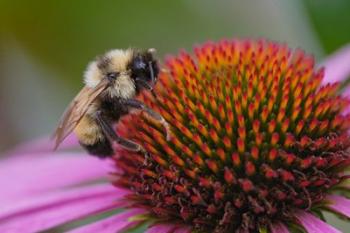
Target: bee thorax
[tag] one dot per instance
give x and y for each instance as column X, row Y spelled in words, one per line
column 124, row 87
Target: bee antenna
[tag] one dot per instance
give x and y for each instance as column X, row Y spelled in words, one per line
column 152, row 72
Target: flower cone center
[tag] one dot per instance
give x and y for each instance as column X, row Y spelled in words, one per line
column 254, row 135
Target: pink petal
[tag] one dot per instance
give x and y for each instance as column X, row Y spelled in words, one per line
column 279, row 228
column 42, row 213
column 337, row 66
column 313, row 224
column 183, row 230
column 44, row 144
column 164, row 228
column 115, row 223
column 340, row 205
column 23, row 176
column 60, row 196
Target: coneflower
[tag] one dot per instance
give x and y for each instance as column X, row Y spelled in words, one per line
column 259, row 144
column 256, row 139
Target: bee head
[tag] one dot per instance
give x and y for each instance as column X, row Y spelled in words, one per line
column 144, row 69
column 129, row 71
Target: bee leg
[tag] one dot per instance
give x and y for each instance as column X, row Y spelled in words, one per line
column 112, row 135
column 144, row 84
column 139, row 105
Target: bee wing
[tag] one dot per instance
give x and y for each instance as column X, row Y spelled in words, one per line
column 76, row 110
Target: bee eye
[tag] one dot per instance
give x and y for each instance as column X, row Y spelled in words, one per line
column 112, row 75
column 139, row 64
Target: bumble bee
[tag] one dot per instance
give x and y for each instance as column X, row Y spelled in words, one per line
column 112, row 81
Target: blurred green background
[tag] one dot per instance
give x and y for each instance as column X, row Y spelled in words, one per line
column 45, row 45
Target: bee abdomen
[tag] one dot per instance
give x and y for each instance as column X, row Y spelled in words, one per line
column 92, row 138
column 101, row 148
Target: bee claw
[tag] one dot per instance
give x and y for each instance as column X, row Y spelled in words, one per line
column 141, row 149
column 147, row 156
column 167, row 129
column 168, row 135
column 153, row 94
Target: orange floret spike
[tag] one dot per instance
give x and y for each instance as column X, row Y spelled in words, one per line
column 228, row 100
column 295, row 113
column 264, row 114
column 213, row 104
column 241, row 121
column 240, row 145
column 285, row 125
column 236, row 160
column 197, row 139
column 229, row 176
column 177, row 160
column 251, row 111
column 228, row 129
column 221, row 111
column 299, row 127
column 213, row 135
column 250, row 168
column 271, row 126
column 203, row 130
column 289, row 141
column 212, row 166
column 259, row 137
column 227, row 142
column 221, row 153
column 254, row 153
column 198, row 160
column 281, row 115
column 274, row 138
column 216, row 124
column 272, row 154
column 206, row 150
column 238, row 108
column 256, row 126
column 230, row 117
column 186, row 150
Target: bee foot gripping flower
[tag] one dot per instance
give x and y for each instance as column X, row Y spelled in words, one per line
column 258, row 140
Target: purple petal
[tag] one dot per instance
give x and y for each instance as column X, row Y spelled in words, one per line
column 20, row 177
column 279, row 228
column 183, row 230
column 164, row 228
column 115, row 223
column 44, row 144
column 337, row 66
column 340, row 205
column 313, row 224
column 41, row 213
